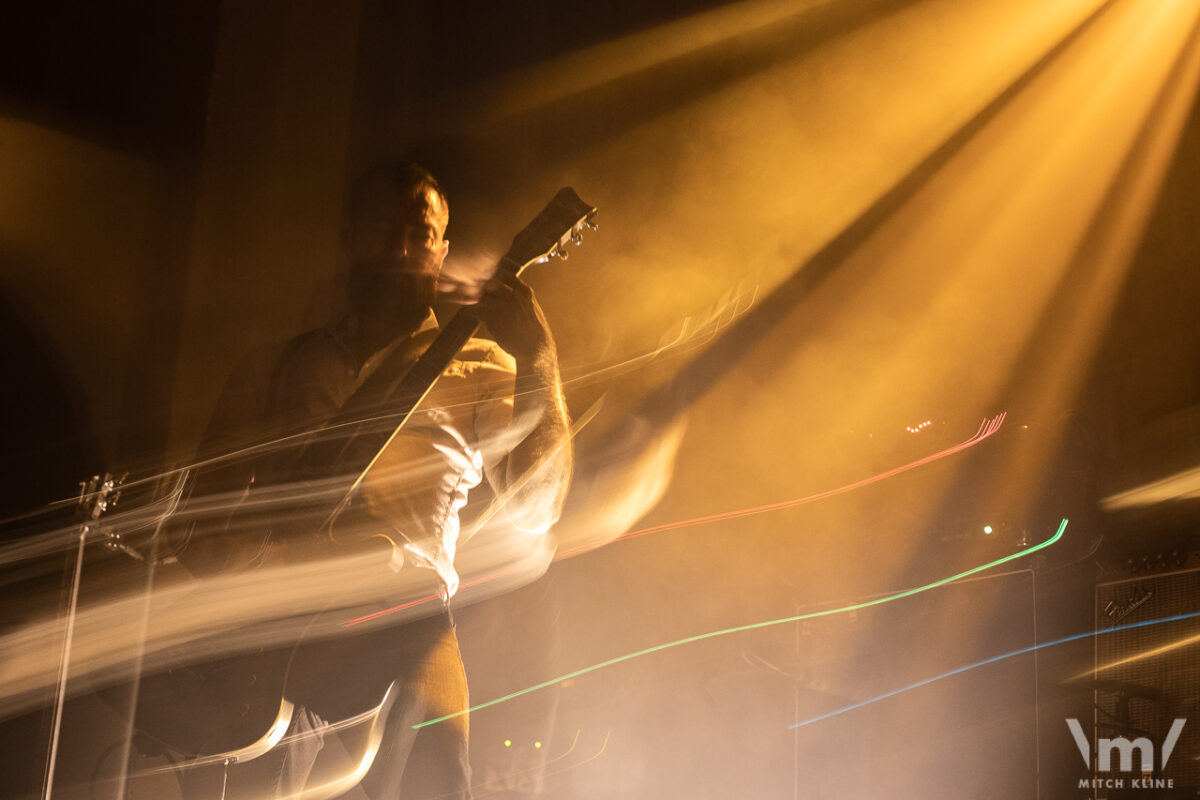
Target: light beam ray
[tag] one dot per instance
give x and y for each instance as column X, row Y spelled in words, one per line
column 1150, row 653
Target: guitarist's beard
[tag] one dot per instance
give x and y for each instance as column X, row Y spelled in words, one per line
column 399, row 298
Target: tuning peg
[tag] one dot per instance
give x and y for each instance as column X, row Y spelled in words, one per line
column 591, row 224
column 577, row 238
column 562, row 252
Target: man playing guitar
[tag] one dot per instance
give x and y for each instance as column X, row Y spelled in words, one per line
column 474, row 423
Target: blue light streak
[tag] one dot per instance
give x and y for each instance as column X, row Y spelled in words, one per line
column 959, row 670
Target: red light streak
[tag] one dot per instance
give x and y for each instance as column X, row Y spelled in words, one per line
column 986, row 429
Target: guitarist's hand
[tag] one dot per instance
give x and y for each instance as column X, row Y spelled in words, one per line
column 514, row 317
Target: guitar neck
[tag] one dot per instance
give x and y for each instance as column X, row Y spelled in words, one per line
column 406, row 394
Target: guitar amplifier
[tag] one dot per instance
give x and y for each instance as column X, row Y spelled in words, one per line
column 1149, row 676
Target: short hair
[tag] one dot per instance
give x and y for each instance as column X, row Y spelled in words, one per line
column 402, row 179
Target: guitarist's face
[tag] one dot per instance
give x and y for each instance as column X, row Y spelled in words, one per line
column 398, row 254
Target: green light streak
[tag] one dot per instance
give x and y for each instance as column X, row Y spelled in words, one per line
column 755, row 626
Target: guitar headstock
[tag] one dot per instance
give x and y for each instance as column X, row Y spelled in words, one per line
column 561, row 222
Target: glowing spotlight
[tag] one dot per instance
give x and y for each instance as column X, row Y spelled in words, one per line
column 987, row 529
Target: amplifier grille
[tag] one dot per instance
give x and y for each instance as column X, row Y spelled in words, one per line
column 1146, row 677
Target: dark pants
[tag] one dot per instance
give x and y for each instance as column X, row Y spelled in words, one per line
column 335, row 680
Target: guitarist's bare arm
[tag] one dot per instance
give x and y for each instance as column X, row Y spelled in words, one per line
column 541, row 463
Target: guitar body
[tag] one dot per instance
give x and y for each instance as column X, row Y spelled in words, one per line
column 201, row 709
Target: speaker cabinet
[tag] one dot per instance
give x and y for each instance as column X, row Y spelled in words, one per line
column 1147, row 675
